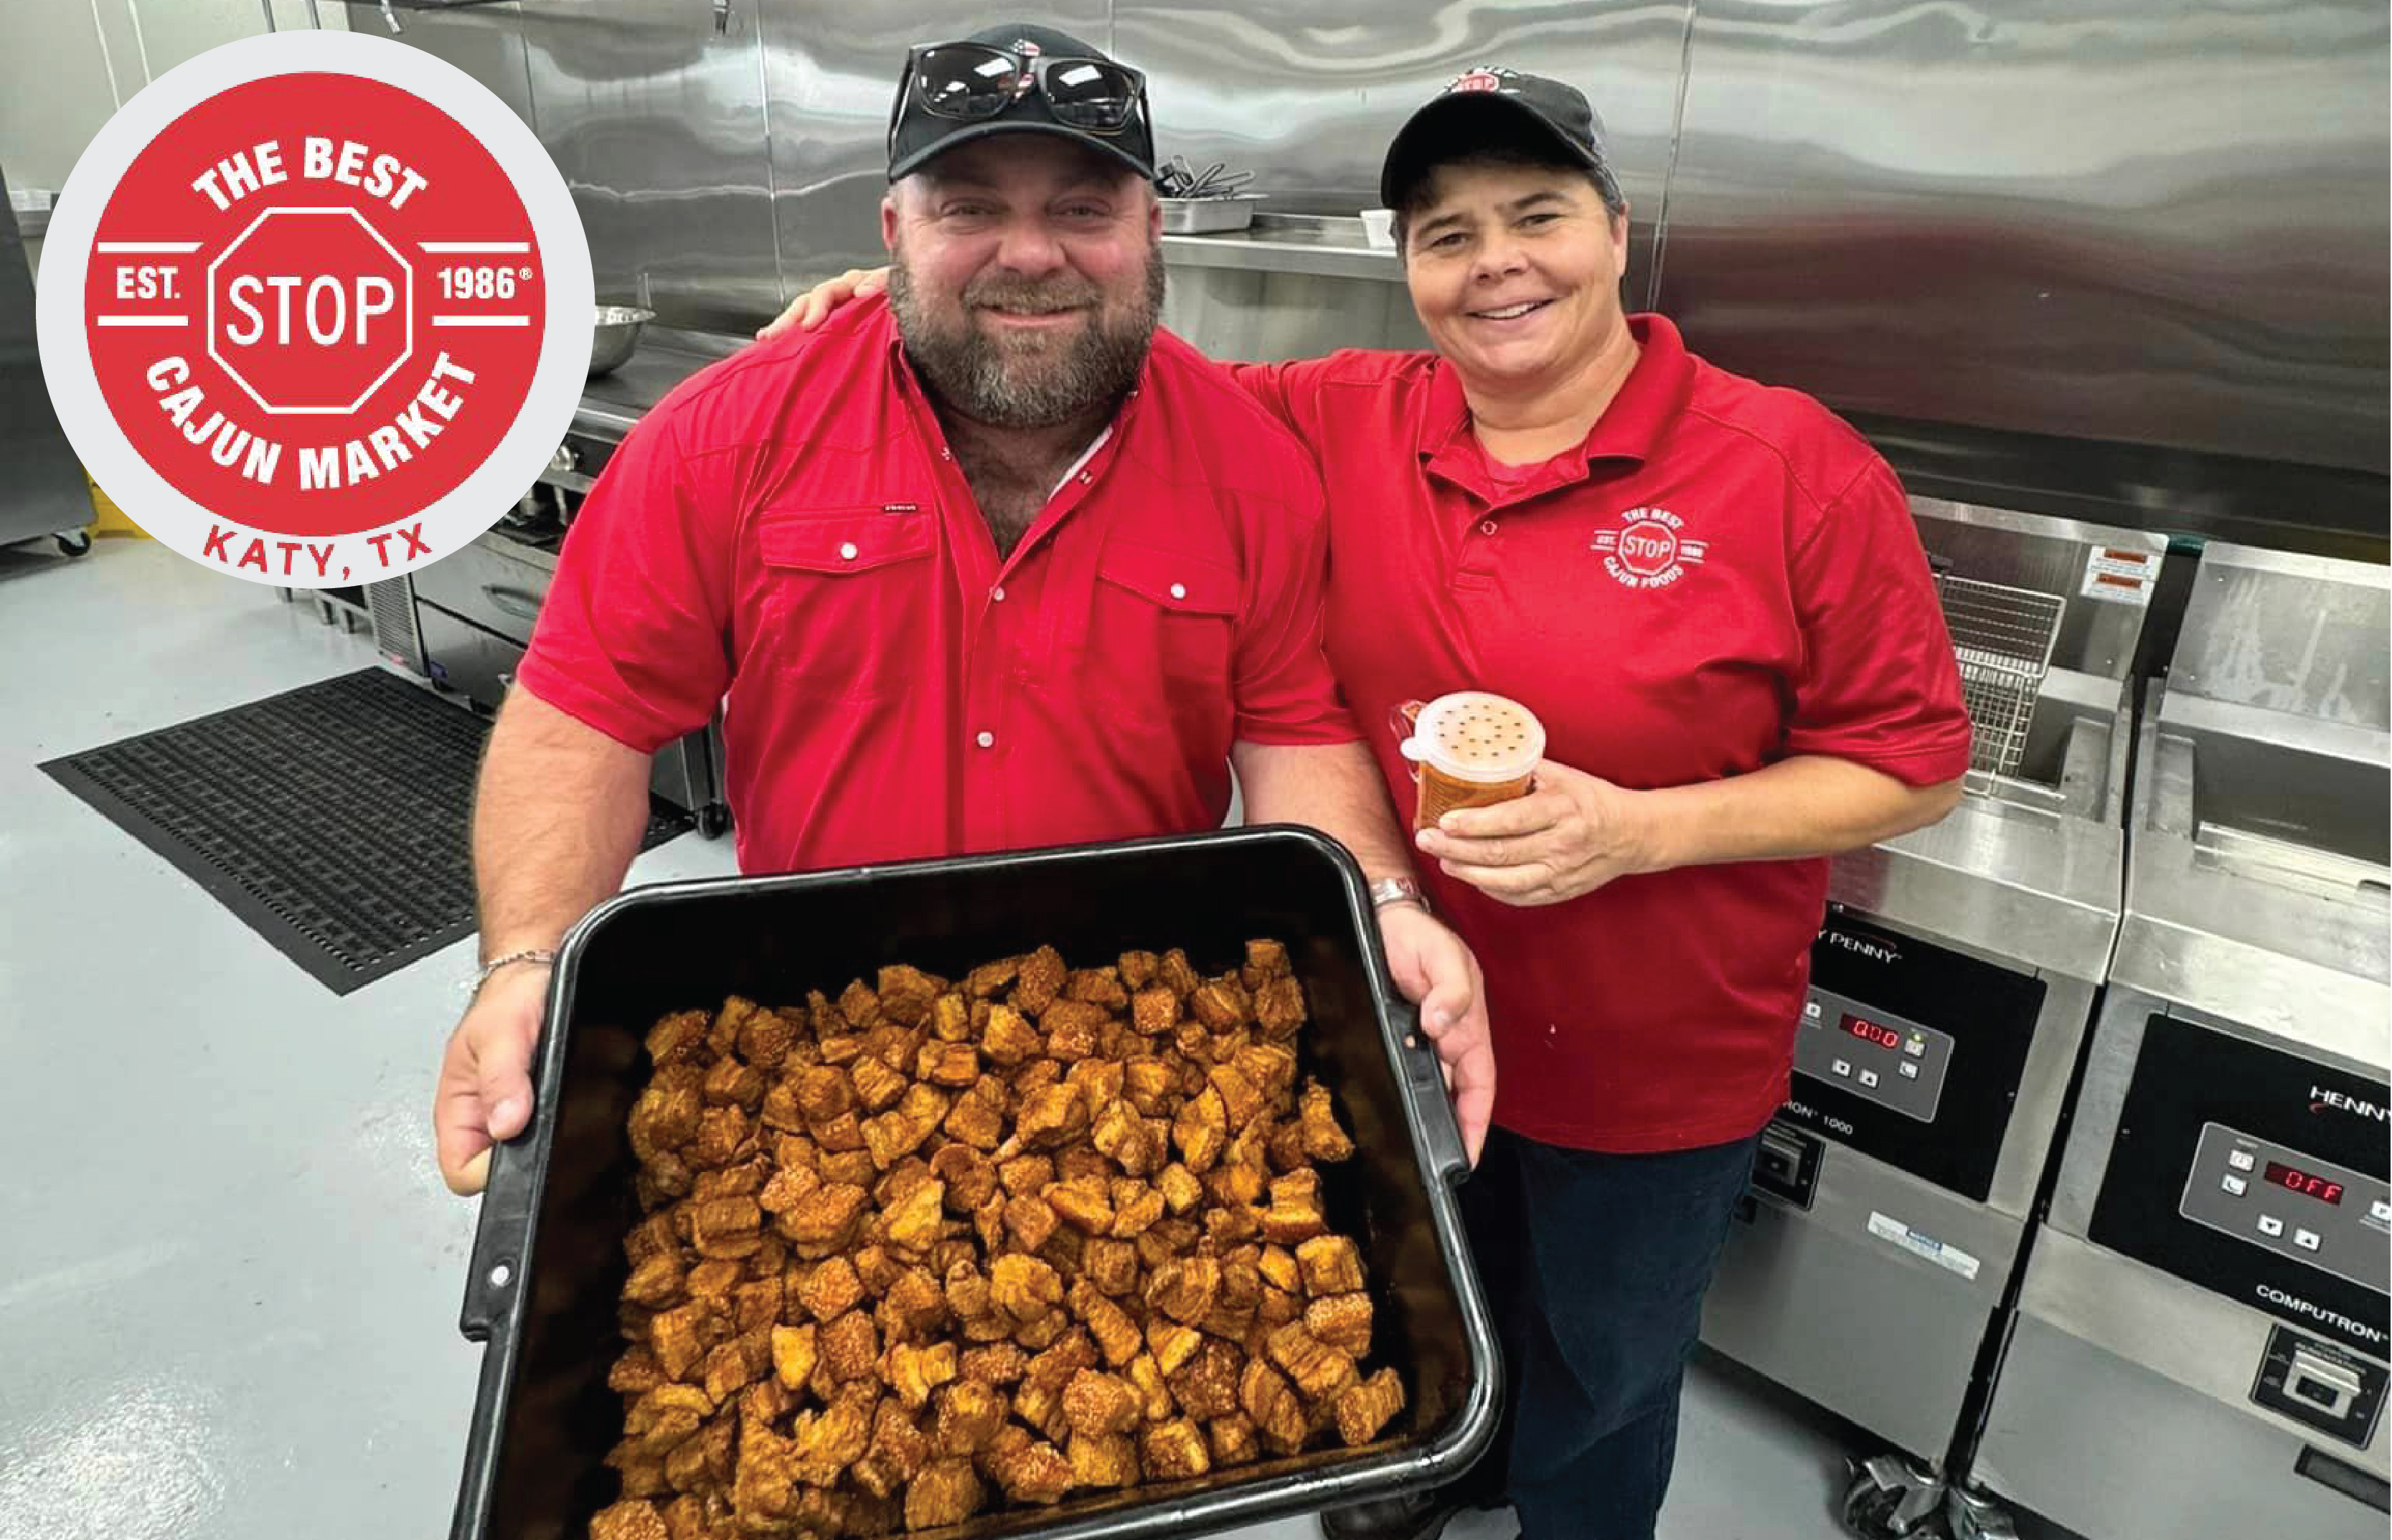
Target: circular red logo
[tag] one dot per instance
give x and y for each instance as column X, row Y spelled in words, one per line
column 1647, row 546
column 326, row 317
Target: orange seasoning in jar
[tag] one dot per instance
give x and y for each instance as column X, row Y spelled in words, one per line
column 1470, row 749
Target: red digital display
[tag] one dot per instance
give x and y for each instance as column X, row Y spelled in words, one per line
column 2307, row 1183
column 1884, row 1037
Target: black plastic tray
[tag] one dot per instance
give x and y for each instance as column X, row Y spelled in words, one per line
column 548, row 1261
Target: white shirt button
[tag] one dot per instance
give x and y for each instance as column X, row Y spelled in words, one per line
column 986, row 740
column 1487, row 527
column 997, row 594
column 847, row 551
column 1179, row 590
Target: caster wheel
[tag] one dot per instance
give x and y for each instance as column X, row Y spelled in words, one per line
column 76, row 544
column 1970, row 1516
column 1872, row 1513
column 1889, row 1501
column 713, row 823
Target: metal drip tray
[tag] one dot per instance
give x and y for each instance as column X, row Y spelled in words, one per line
column 2273, row 796
column 2287, row 864
column 2259, row 888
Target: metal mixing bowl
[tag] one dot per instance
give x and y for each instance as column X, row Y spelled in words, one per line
column 614, row 336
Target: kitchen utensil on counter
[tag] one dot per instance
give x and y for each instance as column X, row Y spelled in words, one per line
column 1178, row 179
column 614, row 336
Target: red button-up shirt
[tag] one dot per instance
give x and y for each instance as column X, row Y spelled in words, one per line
column 788, row 535
column 1721, row 577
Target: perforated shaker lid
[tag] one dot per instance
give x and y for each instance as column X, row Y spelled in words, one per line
column 1475, row 736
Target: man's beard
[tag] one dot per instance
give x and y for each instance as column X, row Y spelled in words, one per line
column 1029, row 380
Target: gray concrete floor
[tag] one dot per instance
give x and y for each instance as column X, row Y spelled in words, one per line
column 231, row 1277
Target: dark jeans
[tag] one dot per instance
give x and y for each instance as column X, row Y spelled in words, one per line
column 1596, row 1266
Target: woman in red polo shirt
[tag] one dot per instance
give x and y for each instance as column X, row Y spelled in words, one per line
column 1711, row 595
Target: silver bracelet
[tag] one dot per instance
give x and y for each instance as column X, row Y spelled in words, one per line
column 542, row 955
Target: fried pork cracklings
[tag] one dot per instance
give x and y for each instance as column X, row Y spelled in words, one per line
column 936, row 1248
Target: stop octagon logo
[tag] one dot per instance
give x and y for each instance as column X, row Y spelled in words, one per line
column 314, row 309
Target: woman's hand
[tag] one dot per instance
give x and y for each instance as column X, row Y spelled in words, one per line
column 811, row 308
column 1570, row 835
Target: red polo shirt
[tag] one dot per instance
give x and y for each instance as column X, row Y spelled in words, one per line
column 1722, row 575
column 789, row 534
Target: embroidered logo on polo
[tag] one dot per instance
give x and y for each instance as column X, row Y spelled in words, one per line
column 1650, row 550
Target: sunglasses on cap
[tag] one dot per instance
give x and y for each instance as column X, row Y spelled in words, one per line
column 974, row 81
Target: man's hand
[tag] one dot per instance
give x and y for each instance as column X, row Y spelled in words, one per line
column 484, row 1093
column 1570, row 835
column 811, row 308
column 1435, row 972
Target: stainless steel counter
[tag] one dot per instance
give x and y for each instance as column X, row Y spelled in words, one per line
column 2001, row 878
column 666, row 357
column 1313, row 245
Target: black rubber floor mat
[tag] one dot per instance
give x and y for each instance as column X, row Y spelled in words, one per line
column 331, row 819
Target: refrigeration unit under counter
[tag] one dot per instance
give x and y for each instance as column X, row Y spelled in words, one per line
column 2201, row 1347
column 1950, row 988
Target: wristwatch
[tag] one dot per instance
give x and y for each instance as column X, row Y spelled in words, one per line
column 1397, row 891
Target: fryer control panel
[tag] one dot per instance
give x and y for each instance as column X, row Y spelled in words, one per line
column 1882, row 1057
column 2303, row 1208
column 1873, row 1076
column 2251, row 1168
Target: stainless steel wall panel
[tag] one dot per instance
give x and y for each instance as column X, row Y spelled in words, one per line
column 657, row 122
column 486, row 42
column 1308, row 96
column 2098, row 259
column 2095, row 219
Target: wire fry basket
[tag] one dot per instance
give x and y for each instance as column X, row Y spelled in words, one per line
column 2003, row 637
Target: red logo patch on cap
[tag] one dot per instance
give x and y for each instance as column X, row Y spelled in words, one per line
column 1479, row 80
column 322, row 310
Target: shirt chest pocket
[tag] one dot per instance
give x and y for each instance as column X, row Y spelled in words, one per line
column 848, row 600
column 1162, row 635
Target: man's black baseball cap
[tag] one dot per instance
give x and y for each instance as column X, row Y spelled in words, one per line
column 1528, row 108
column 917, row 132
